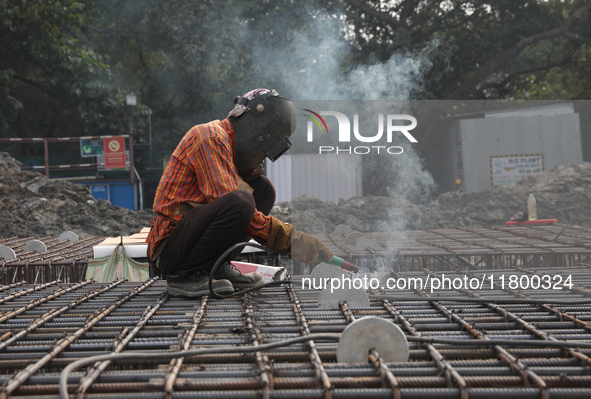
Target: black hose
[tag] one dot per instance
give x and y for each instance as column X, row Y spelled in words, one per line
column 241, row 292
column 63, row 381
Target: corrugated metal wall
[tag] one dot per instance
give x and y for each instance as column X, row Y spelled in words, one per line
column 328, row 177
column 558, row 137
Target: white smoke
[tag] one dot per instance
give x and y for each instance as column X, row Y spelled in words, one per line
column 310, row 65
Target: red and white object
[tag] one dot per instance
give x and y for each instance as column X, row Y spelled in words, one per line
column 537, row 221
column 270, row 273
column 114, row 151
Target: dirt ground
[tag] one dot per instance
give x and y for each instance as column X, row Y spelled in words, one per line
column 33, row 206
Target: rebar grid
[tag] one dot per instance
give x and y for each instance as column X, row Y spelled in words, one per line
column 63, row 260
column 320, row 372
column 45, row 331
column 483, row 247
column 120, row 342
column 584, row 359
column 515, row 364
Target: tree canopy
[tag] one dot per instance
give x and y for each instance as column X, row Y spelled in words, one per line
column 67, row 64
column 52, row 82
column 483, row 49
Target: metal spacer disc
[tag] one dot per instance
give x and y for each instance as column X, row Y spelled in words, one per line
column 324, row 270
column 6, row 253
column 367, row 242
column 342, row 230
column 353, row 237
column 35, row 245
column 330, row 297
column 368, row 333
column 68, row 235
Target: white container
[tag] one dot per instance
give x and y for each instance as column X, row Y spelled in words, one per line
column 532, row 213
column 270, row 273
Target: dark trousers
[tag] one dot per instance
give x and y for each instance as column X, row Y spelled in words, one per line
column 207, row 231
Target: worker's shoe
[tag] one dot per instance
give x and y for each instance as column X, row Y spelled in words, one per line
column 238, row 279
column 197, row 286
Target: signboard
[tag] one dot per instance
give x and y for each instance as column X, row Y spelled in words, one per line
column 91, row 147
column 100, row 160
column 114, row 152
column 505, row 169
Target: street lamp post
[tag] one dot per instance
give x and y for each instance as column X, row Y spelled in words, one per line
column 131, row 100
column 150, row 134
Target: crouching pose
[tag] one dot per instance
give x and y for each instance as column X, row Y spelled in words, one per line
column 213, row 195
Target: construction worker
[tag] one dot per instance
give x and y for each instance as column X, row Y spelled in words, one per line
column 213, row 195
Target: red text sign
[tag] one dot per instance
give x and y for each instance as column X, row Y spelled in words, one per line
column 114, row 150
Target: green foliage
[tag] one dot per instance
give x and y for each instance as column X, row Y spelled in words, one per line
column 67, row 65
column 187, row 60
column 52, row 82
column 484, row 49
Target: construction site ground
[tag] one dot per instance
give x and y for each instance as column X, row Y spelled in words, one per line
column 33, row 206
column 486, row 310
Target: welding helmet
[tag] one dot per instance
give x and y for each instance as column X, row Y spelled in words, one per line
column 263, row 129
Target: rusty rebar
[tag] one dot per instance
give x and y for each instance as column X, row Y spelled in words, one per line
column 175, row 365
column 59, row 346
column 321, row 375
column 25, row 292
column 119, row 344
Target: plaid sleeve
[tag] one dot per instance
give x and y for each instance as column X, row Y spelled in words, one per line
column 214, row 168
column 213, row 161
column 201, row 169
column 260, row 226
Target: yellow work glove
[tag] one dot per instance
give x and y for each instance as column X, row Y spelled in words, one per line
column 303, row 247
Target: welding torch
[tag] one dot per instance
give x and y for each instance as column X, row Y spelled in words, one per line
column 343, row 264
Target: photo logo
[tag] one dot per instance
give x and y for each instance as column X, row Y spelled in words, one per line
column 391, row 124
column 318, row 119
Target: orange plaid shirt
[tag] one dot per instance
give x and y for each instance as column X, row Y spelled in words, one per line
column 200, row 170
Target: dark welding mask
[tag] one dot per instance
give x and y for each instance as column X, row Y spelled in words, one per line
column 263, row 130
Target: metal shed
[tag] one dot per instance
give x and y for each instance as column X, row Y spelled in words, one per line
column 552, row 133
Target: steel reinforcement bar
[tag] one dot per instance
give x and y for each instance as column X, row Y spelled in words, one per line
column 150, row 321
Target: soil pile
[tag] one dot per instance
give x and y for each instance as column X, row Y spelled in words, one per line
column 364, row 214
column 31, row 205
column 563, row 193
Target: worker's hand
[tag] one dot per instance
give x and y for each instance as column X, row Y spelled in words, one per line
column 306, row 248
column 252, row 174
column 303, row 247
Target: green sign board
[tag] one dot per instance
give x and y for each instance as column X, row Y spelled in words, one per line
column 91, row 147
